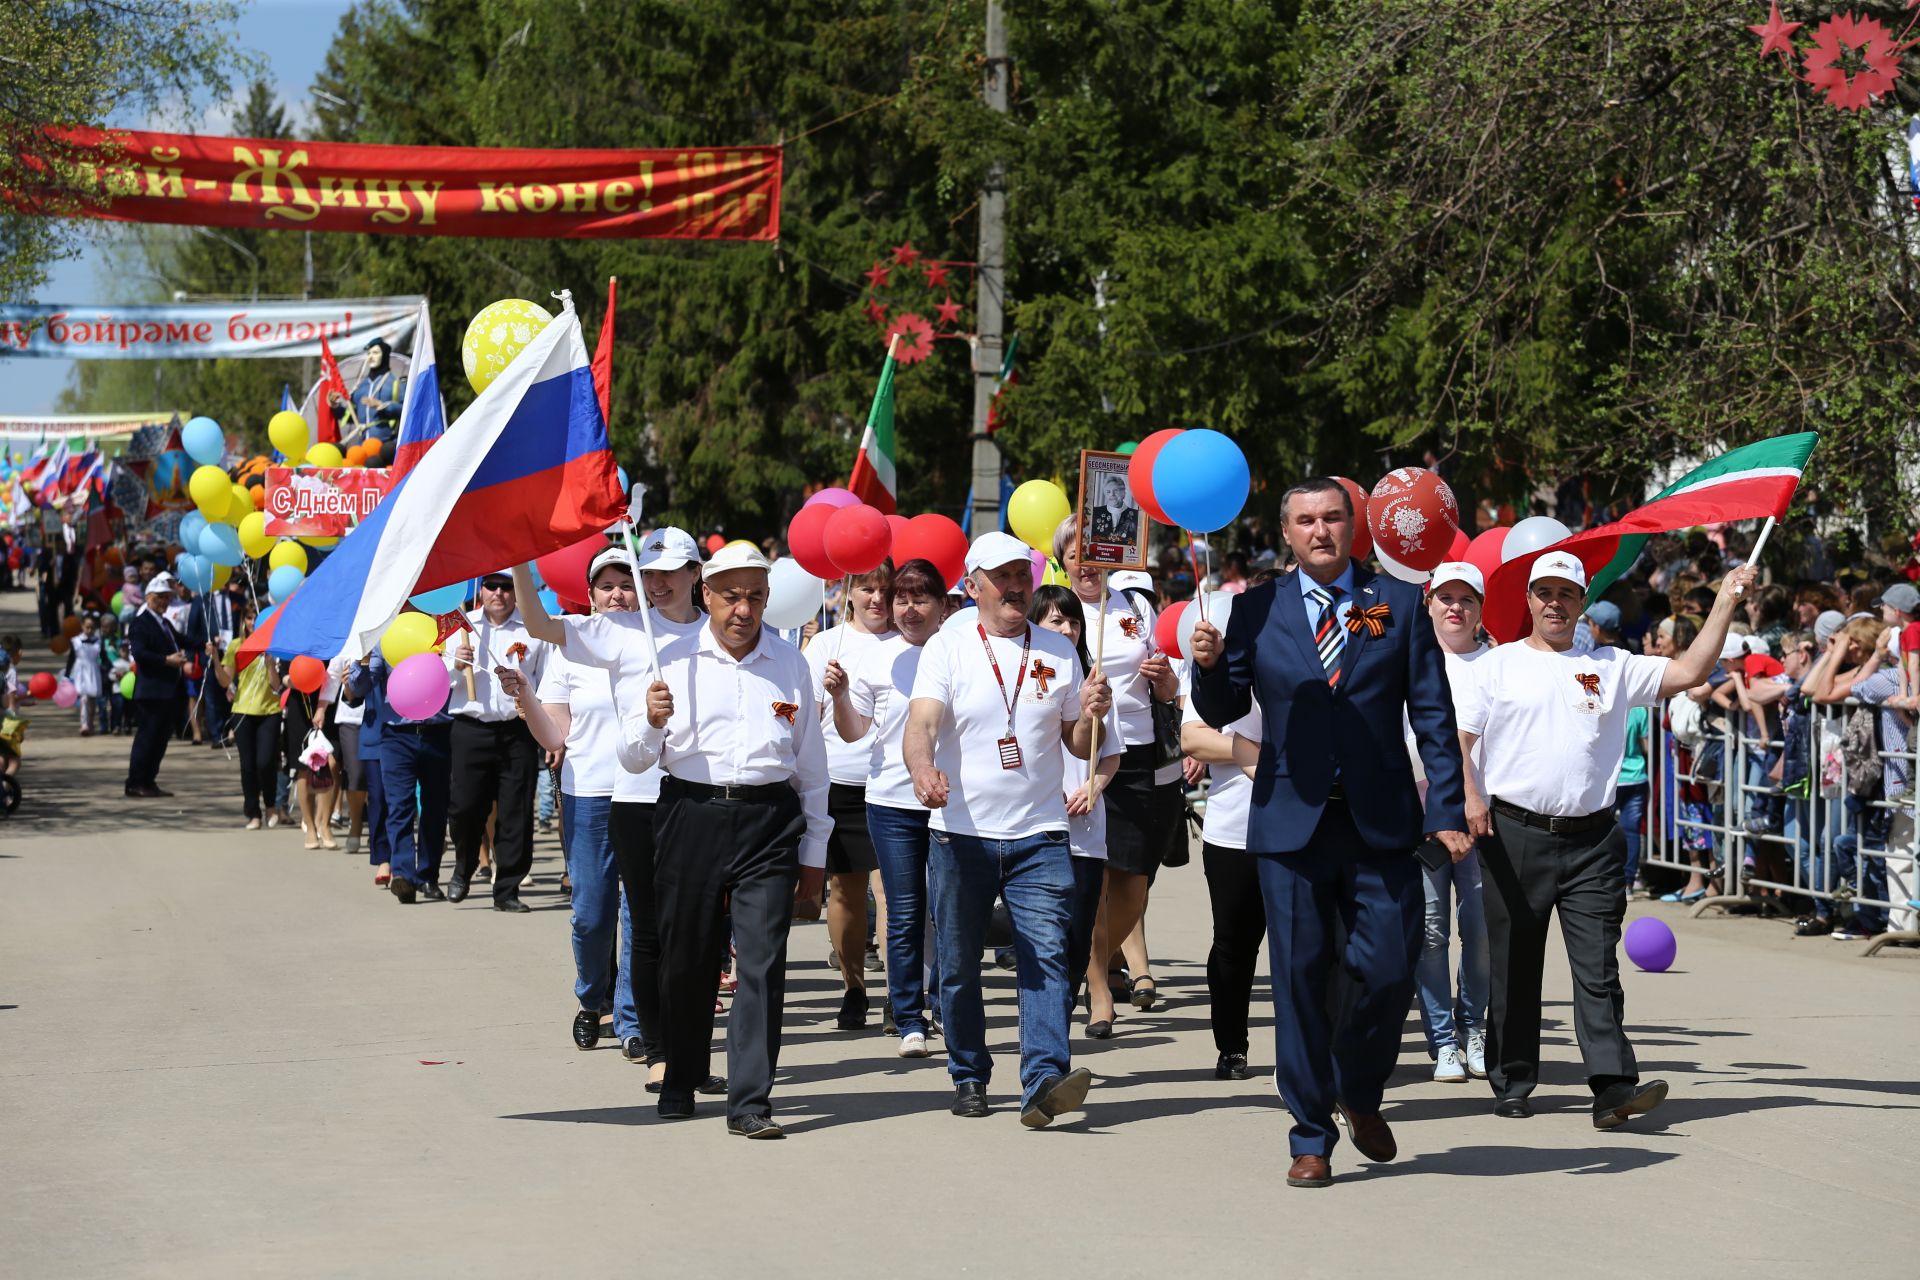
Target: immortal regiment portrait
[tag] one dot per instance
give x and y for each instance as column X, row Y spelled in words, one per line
column 1113, row 525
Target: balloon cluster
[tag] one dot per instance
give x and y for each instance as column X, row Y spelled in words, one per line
column 835, row 535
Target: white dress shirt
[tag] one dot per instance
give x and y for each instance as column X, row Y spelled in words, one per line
column 746, row 722
column 493, row 643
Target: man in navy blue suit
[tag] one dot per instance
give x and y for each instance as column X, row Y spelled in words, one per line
column 1336, row 654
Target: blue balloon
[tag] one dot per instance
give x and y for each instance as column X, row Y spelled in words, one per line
column 441, row 599
column 204, row 442
column 550, row 601
column 192, row 525
column 220, row 543
column 1201, row 480
column 282, row 581
column 195, row 572
column 626, row 485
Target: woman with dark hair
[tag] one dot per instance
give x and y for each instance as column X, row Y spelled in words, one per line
column 870, row 705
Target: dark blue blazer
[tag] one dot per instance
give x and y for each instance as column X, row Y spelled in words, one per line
column 1351, row 731
column 150, row 639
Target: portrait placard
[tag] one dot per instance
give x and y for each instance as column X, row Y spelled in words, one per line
column 1113, row 528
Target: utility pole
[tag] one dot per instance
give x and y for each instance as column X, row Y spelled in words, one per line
column 990, row 286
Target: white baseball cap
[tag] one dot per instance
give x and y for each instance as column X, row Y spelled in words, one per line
column 1758, row 646
column 735, row 555
column 1558, row 564
column 612, row 555
column 162, row 582
column 668, row 548
column 991, row 550
column 1458, row 571
column 1131, row 580
column 1733, row 647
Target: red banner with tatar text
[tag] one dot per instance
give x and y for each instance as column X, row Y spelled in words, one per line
column 688, row 193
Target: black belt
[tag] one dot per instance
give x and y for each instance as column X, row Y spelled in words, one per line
column 765, row 792
column 421, row 727
column 1553, row 825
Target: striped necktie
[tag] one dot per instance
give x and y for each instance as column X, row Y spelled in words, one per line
column 1328, row 636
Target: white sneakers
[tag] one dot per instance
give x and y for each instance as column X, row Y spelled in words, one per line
column 913, row 1045
column 1477, row 1054
column 253, row 824
column 1448, row 1069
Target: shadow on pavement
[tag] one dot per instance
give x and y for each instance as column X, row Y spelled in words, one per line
column 1509, row 1162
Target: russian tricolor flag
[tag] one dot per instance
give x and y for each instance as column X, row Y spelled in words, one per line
column 423, row 413
column 524, row 471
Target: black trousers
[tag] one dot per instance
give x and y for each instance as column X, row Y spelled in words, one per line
column 153, row 724
column 1239, row 924
column 257, row 740
column 494, row 761
column 630, row 829
column 1528, row 873
column 705, row 853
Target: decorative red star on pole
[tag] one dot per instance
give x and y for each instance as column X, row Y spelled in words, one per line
column 949, row 311
column 937, row 273
column 876, row 312
column 1776, row 36
column 879, row 275
column 905, row 255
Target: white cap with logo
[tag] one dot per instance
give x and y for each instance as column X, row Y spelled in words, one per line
column 162, row 582
column 612, row 555
column 668, row 548
column 1458, row 571
column 735, row 555
column 1558, row 564
column 1131, row 580
column 991, row 550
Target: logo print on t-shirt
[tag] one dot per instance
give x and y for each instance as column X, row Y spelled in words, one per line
column 785, row 711
column 1041, row 673
column 1130, row 627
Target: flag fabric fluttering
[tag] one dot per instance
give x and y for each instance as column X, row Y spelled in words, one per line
column 524, row 471
column 603, row 356
column 874, row 479
column 1754, row 482
column 423, row 411
column 326, row 430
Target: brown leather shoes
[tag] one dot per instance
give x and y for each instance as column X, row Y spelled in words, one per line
column 1310, row 1171
column 1371, row 1136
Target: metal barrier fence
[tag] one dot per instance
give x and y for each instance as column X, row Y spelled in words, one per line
column 1713, row 807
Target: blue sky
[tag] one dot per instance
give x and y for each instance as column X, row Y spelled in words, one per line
column 292, row 36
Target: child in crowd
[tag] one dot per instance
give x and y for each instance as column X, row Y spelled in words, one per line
column 87, row 669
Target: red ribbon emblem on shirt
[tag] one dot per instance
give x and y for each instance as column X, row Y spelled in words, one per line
column 516, row 651
column 785, row 711
column 1373, row 620
column 1589, row 682
column 1042, row 673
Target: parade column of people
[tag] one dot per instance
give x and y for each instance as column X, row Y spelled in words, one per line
column 159, row 656
column 410, row 780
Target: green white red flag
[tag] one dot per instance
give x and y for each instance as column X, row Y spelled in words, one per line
column 874, row 481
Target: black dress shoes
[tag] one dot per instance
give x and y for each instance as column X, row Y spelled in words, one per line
column 754, row 1127
column 712, row 1086
column 675, row 1106
column 430, row 892
column 853, row 1009
column 512, row 905
column 1513, row 1108
column 1056, row 1097
column 1232, row 1066
column 1618, row 1105
column 586, row 1029
column 969, row 1099
column 633, row 1051
column 457, row 889
column 402, row 888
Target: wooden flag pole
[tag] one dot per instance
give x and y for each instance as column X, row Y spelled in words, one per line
column 1099, row 659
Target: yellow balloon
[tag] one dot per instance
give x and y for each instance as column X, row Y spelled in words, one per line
column 240, row 506
column 221, row 572
column 287, row 552
column 410, row 633
column 325, row 455
column 288, row 431
column 211, row 491
column 498, row 334
column 254, row 539
column 1035, row 510
column 318, row 541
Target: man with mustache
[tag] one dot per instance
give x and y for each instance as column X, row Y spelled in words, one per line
column 1551, row 726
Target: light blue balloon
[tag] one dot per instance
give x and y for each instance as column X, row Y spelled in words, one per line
column 192, row 525
column 550, row 601
column 282, row 581
column 204, row 442
column 220, row 543
column 626, row 485
column 441, row 599
column 1201, row 480
column 195, row 572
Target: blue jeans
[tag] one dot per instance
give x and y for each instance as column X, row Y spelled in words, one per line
column 543, row 792
column 415, row 765
column 1460, row 880
column 1034, row 875
column 1630, row 802
column 900, row 844
column 600, row 915
column 378, row 850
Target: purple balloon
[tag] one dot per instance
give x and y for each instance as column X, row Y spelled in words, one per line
column 418, row 687
column 834, row 498
column 1651, row 944
column 1039, row 568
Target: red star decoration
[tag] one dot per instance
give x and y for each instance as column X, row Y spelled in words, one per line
column 876, row 312
column 937, row 272
column 949, row 312
column 916, row 338
column 879, row 275
column 1777, row 35
column 905, row 255
column 1879, row 55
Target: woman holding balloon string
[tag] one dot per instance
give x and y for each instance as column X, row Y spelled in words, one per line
column 310, row 694
column 254, row 710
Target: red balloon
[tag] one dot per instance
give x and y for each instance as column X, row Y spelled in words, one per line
column 936, row 539
column 1166, row 627
column 897, row 525
column 1362, row 536
column 1460, row 544
column 1483, row 553
column 857, row 539
column 565, row 570
column 715, row 542
column 42, row 685
column 806, row 539
column 1140, row 472
column 1413, row 517
column 307, row 674
column 572, row 606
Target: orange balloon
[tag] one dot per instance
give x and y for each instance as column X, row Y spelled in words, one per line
column 259, row 495
column 71, row 627
column 60, row 644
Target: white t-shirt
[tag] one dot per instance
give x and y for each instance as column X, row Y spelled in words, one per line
column 1087, row 834
column 590, row 767
column 848, row 763
column 1129, row 625
column 1553, row 726
column 344, row 712
column 615, row 646
column 1459, row 681
column 879, row 687
column 984, row 799
column 618, row 643
column 1230, row 795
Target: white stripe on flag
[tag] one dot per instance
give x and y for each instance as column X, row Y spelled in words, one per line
column 1735, row 477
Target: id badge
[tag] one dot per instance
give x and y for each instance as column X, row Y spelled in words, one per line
column 1009, row 753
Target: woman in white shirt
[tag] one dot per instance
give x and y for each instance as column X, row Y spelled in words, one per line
column 869, row 701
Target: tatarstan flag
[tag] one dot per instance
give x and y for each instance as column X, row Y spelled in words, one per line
column 1750, row 483
column 873, row 472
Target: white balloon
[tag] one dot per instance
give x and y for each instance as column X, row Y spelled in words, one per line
column 1406, row 573
column 794, row 596
column 1219, row 609
column 1531, row 535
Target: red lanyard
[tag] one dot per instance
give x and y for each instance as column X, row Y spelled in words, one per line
column 1020, row 678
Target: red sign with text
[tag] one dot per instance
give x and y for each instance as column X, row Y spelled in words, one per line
column 322, row 502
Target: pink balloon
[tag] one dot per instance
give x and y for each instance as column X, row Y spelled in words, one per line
column 65, row 695
column 418, row 687
column 834, row 498
column 1039, row 567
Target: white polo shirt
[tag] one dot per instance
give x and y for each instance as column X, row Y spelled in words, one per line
column 614, row 645
column 504, row 644
column 1553, row 726
column 984, row 799
column 879, row 687
column 848, row 763
column 737, row 722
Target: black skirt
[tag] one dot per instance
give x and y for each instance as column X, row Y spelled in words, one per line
column 1143, row 819
column 849, row 848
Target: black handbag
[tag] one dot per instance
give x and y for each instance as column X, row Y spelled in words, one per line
column 1166, row 733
